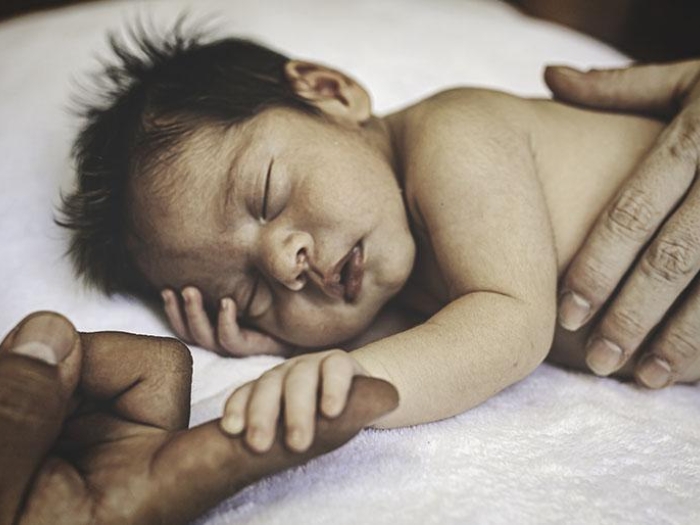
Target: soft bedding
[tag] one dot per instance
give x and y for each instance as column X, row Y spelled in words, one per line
column 559, row 447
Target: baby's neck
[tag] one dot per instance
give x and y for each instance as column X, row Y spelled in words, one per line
column 380, row 132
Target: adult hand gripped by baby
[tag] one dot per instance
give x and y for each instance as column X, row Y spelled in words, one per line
column 189, row 320
column 636, row 274
column 93, row 429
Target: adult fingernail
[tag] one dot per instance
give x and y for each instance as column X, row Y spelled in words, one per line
column 603, row 356
column 47, row 338
column 574, row 311
column 654, row 372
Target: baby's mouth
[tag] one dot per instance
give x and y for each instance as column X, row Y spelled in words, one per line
column 344, row 281
column 352, row 272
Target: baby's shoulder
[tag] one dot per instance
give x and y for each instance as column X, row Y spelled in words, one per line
column 450, row 122
column 469, row 108
column 469, row 127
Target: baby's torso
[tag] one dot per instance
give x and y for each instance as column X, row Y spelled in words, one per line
column 580, row 157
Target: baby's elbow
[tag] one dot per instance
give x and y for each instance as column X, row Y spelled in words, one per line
column 532, row 337
column 541, row 321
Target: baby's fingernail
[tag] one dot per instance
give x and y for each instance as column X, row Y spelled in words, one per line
column 603, row 357
column 48, row 338
column 654, row 372
column 574, row 311
column 257, row 439
column 232, row 424
column 331, row 407
column 296, row 439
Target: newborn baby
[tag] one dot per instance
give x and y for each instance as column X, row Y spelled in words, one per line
column 268, row 187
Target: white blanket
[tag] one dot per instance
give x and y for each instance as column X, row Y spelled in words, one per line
column 558, row 447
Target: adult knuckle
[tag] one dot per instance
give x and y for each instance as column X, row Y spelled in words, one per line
column 671, row 259
column 592, row 278
column 685, row 143
column 681, row 346
column 631, row 215
column 626, row 325
column 171, row 352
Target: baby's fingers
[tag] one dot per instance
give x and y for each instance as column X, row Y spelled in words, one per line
column 300, row 395
column 200, row 327
column 233, row 421
column 263, row 410
column 337, row 371
column 241, row 342
column 174, row 314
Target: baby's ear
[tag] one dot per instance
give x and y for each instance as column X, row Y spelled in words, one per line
column 329, row 90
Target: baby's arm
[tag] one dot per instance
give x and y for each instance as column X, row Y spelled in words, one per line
column 471, row 178
column 472, row 181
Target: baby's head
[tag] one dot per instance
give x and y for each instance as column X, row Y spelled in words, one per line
column 230, row 167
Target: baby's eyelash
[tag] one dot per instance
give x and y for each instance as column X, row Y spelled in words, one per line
column 266, row 191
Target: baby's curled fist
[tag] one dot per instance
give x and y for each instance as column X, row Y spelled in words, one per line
column 189, row 320
column 298, row 386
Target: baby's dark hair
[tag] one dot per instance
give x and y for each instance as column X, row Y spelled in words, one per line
column 157, row 92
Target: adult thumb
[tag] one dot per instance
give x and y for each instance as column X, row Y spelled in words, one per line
column 658, row 89
column 39, row 369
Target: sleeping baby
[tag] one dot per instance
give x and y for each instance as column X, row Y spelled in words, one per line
column 429, row 240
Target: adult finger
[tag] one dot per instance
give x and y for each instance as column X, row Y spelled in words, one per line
column 173, row 312
column 37, row 377
column 663, row 272
column 200, row 327
column 202, row 466
column 674, row 353
column 627, row 224
column 655, row 88
column 146, row 379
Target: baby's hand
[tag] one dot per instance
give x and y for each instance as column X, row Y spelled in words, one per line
column 296, row 386
column 228, row 338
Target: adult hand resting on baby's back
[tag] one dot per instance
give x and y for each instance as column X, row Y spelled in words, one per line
column 637, row 271
column 93, row 429
column 190, row 322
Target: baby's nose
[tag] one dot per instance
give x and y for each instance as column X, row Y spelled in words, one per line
column 290, row 260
